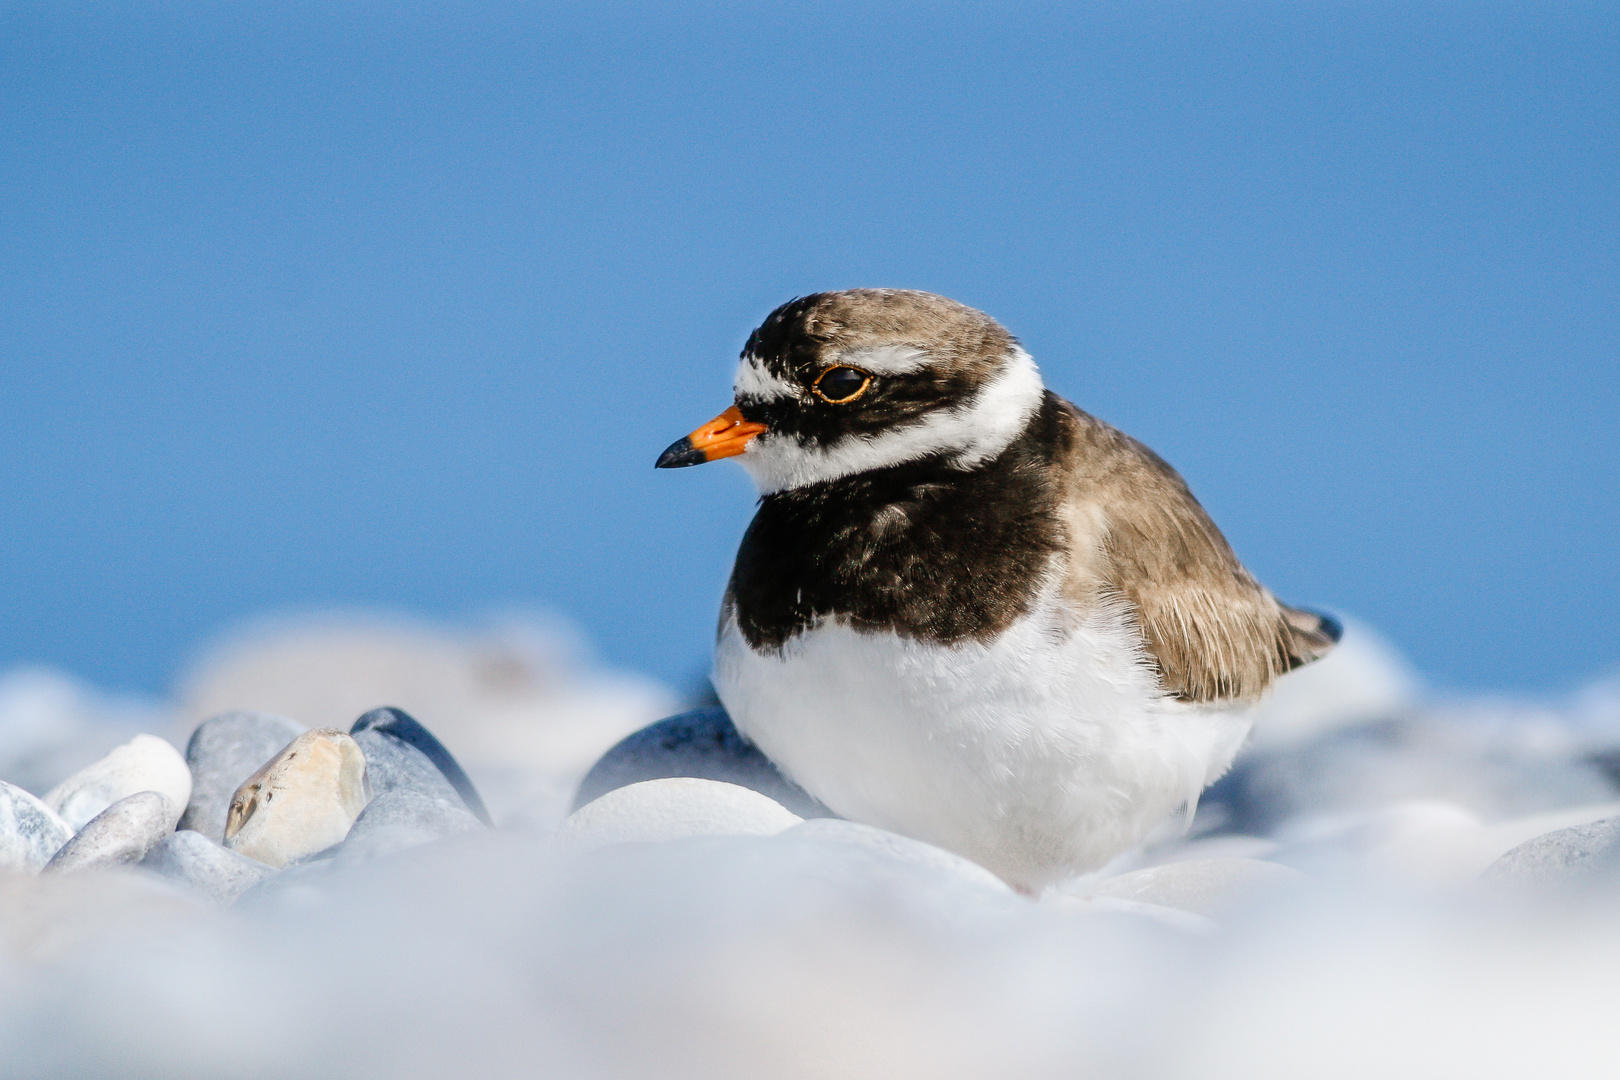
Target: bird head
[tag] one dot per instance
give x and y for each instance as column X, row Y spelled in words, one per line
column 841, row 383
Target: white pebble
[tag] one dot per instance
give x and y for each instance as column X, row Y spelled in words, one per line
column 673, row 808
column 145, row 763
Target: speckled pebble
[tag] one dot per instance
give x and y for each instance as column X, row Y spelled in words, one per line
column 192, row 859
column 123, row 833
column 1576, row 855
column 30, row 831
column 302, row 801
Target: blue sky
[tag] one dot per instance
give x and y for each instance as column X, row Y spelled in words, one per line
column 332, row 305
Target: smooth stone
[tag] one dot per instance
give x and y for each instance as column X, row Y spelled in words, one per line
column 1207, row 887
column 671, row 809
column 402, row 754
column 893, row 844
column 1422, row 757
column 223, row 752
column 191, row 858
column 145, row 763
column 30, row 831
column 401, row 819
column 119, row 835
column 303, row 800
column 703, row 744
column 1574, row 856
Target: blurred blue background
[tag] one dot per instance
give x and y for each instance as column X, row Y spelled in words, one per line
column 328, row 305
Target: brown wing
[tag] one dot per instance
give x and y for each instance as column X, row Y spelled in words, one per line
column 1139, row 535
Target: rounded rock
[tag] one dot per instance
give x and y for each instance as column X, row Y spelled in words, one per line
column 401, row 819
column 30, row 831
column 302, row 801
column 145, row 763
column 401, row 754
column 702, row 744
column 1577, row 855
column 119, row 835
column 671, row 809
column 222, row 753
column 192, row 859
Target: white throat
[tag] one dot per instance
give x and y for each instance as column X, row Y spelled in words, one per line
column 974, row 432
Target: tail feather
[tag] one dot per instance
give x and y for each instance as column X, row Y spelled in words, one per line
column 1311, row 635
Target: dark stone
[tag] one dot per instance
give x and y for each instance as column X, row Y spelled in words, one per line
column 702, row 743
column 223, row 752
column 402, row 754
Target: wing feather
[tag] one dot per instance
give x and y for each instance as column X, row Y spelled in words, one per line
column 1213, row 631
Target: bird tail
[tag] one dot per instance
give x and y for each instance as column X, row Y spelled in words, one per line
column 1311, row 635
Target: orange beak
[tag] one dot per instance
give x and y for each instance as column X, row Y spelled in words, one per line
column 727, row 435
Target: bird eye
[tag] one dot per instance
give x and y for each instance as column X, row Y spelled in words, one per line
column 838, row 385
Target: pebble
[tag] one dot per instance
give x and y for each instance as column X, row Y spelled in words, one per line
column 223, row 752
column 121, row 834
column 30, row 831
column 402, row 754
column 896, row 846
column 403, row 818
column 1418, row 758
column 145, row 763
column 302, row 801
column 1573, row 856
column 703, row 744
column 673, row 808
column 192, row 859
column 1207, row 887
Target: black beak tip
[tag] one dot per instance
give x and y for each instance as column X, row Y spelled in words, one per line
column 680, row 454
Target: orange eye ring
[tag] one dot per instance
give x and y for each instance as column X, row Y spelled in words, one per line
column 866, row 383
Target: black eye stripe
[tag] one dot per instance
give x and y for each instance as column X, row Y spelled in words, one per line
column 841, row 384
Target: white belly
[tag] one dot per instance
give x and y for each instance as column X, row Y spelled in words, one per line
column 1039, row 755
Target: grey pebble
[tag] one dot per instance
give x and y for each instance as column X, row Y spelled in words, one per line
column 401, row 754
column 123, row 833
column 30, row 831
column 193, row 859
column 223, row 752
column 703, row 744
column 400, row 819
column 1574, row 856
